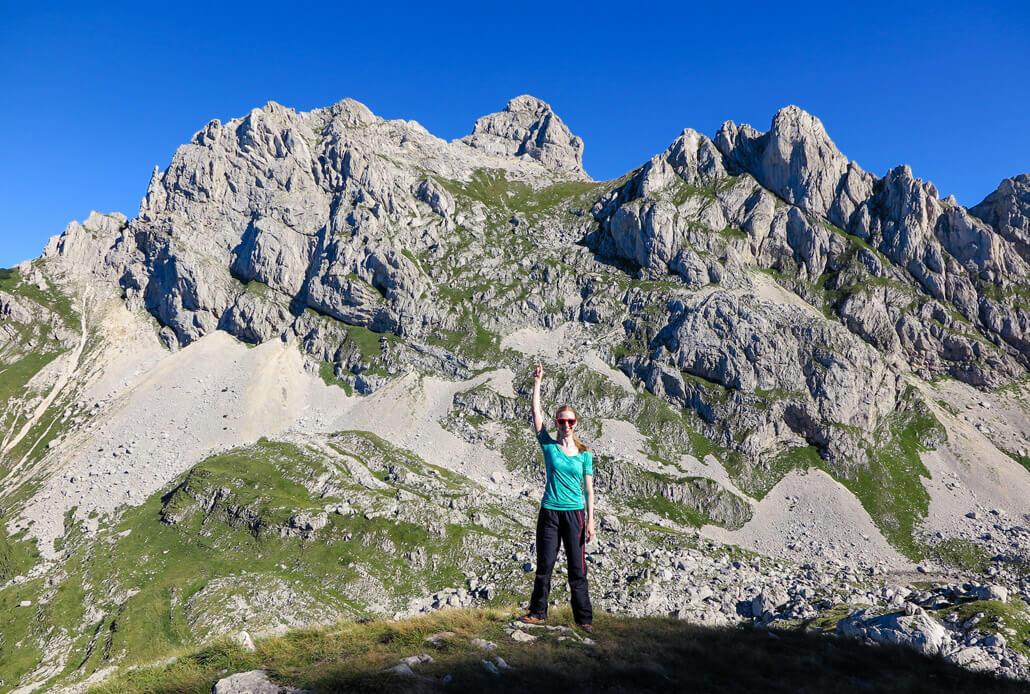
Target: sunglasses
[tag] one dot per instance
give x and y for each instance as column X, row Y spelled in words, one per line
column 565, row 422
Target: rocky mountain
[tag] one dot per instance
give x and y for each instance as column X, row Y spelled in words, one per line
column 308, row 355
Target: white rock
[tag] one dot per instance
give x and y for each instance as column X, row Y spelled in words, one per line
column 245, row 642
column 404, row 670
column 973, row 658
column 252, row 682
column 992, row 592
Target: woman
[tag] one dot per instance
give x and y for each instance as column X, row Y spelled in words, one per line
column 570, row 469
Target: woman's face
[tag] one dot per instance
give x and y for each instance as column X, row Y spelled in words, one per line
column 566, row 422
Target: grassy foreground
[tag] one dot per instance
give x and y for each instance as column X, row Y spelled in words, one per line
column 629, row 655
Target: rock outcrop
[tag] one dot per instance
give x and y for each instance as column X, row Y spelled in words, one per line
column 1007, row 210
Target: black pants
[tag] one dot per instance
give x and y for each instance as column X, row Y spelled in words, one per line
column 567, row 528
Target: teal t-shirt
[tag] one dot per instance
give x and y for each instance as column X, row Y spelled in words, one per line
column 564, row 490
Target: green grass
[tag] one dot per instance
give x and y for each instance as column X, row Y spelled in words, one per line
column 328, row 376
column 652, row 654
column 890, row 486
column 758, row 477
column 827, row 620
column 687, row 500
column 678, row 513
column 492, row 188
column 358, row 341
column 997, row 616
column 478, row 344
column 1023, row 460
column 17, row 555
column 960, row 554
column 51, row 298
column 16, row 375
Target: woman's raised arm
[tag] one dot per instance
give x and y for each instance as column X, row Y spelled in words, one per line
column 538, row 415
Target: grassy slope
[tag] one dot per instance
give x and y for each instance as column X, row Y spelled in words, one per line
column 32, row 347
column 630, row 655
column 141, row 574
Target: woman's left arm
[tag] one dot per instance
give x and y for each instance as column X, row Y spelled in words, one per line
column 589, row 481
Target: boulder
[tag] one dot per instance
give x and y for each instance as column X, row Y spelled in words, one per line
column 991, row 592
column 252, row 682
column 918, row 631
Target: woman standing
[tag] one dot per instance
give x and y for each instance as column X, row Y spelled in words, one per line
column 570, row 470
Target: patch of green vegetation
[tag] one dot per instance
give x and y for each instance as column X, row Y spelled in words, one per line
column 414, row 261
column 732, row 233
column 714, row 389
column 960, row 554
column 493, row 188
column 688, row 500
column 671, row 433
column 827, row 619
column 368, row 342
column 888, row 481
column 1017, row 292
column 890, row 486
column 997, row 617
column 328, row 376
column 17, row 554
column 521, row 452
column 1021, row 459
column 683, row 191
column 479, row 344
column 16, row 375
column 678, row 513
column 255, row 481
column 255, row 287
column 51, row 425
column 763, row 474
column 50, row 298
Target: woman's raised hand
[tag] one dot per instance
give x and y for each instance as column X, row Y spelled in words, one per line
column 538, row 373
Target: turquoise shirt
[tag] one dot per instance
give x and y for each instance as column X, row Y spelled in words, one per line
column 564, row 490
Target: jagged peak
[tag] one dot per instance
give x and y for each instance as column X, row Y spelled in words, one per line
column 694, row 157
column 528, row 128
column 797, row 160
column 1007, row 211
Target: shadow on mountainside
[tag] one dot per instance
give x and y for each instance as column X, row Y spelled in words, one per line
column 629, row 655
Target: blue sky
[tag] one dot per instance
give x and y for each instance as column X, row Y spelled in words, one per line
column 93, row 99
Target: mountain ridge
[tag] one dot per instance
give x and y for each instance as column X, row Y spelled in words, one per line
column 751, row 324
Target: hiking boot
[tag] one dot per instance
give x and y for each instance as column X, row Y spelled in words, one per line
column 531, row 619
column 588, row 628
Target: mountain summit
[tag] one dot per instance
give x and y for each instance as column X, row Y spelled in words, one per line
column 527, row 127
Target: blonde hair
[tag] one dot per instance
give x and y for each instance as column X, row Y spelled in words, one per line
column 579, row 444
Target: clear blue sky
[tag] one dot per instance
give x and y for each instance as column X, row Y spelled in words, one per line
column 93, row 99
